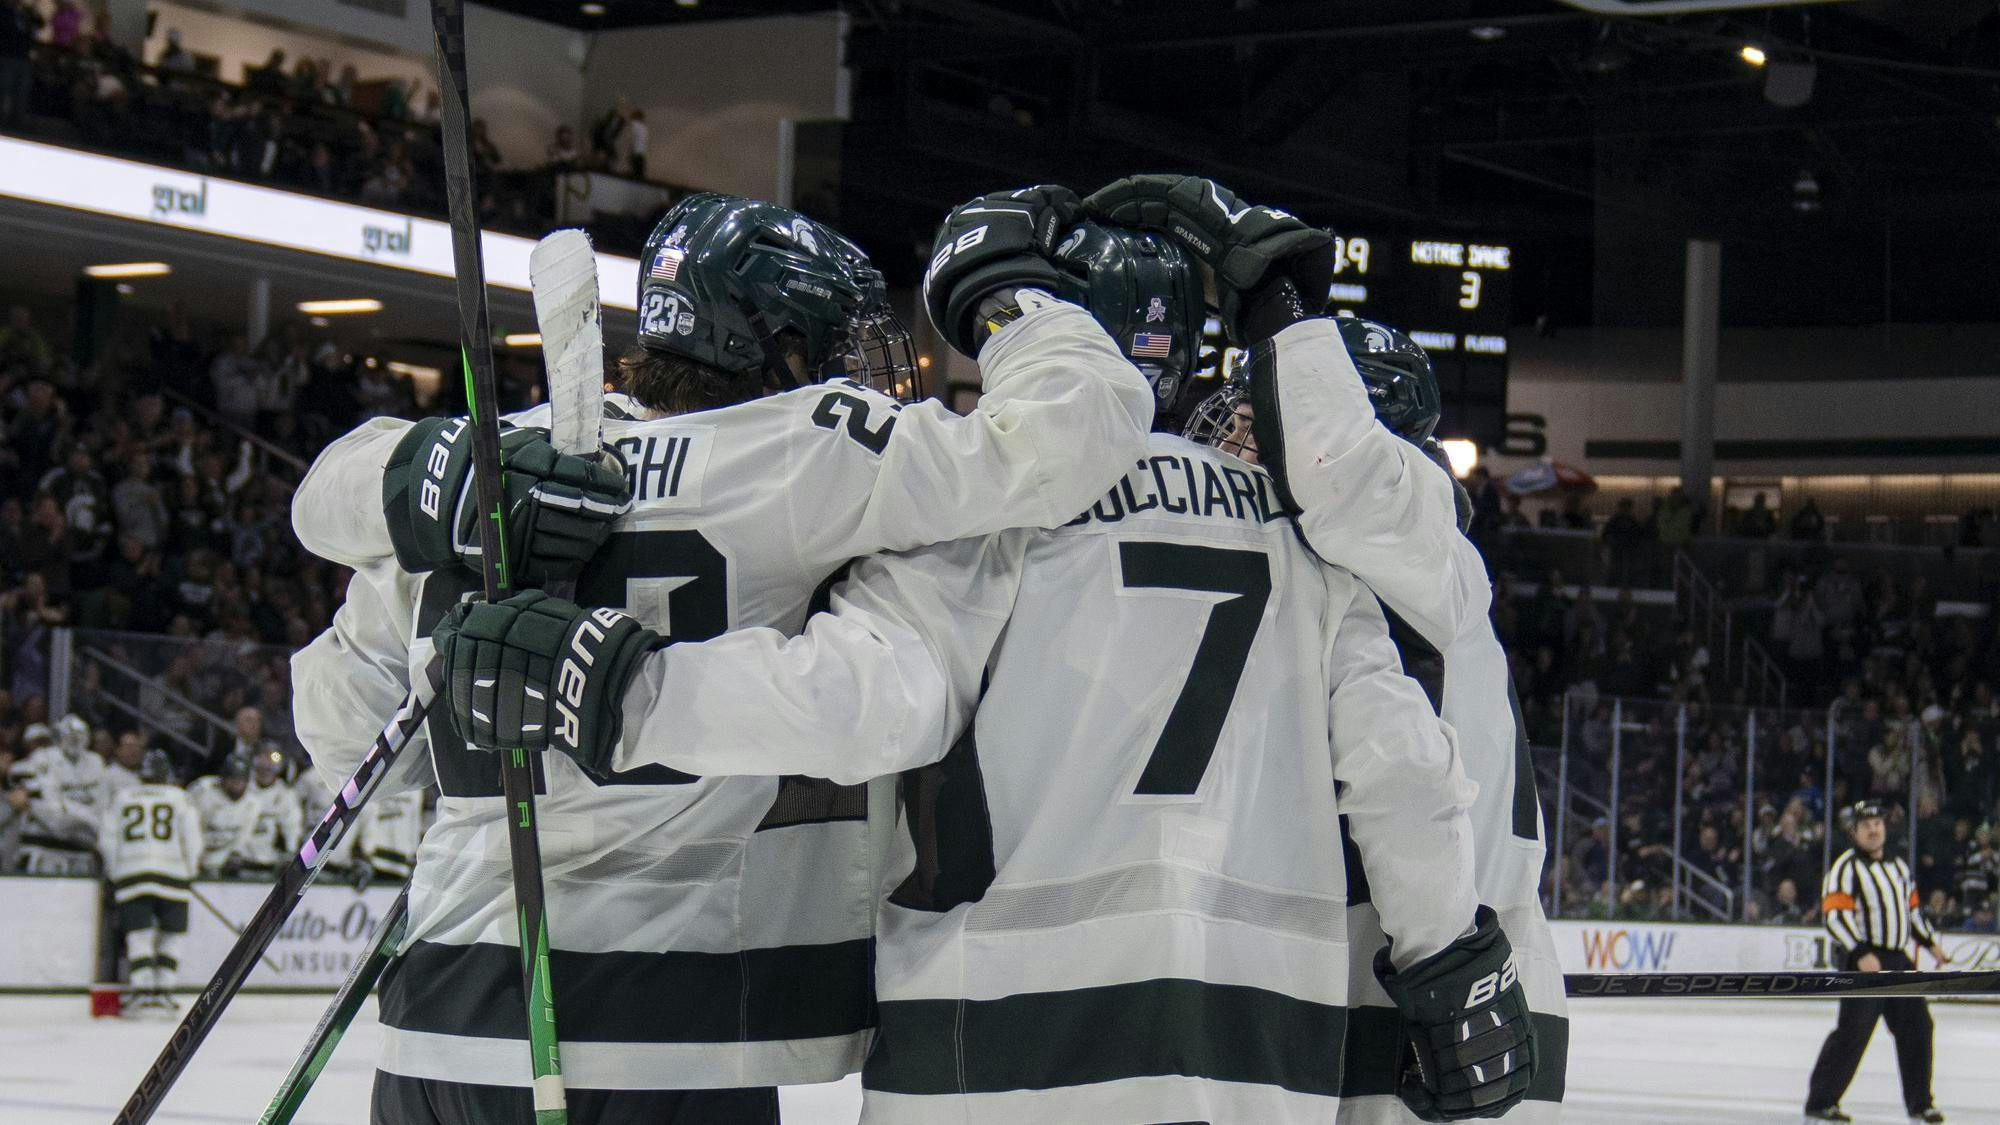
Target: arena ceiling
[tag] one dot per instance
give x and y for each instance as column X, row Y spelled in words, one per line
column 1863, row 156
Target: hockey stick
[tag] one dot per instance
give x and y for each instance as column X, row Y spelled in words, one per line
column 325, row 1037
column 1783, row 985
column 517, row 776
column 563, row 273
column 206, row 1009
column 232, row 927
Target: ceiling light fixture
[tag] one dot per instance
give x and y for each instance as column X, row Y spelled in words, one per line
column 129, row 269
column 1462, row 454
column 688, row 3
column 592, row 9
column 1753, row 54
column 522, row 339
column 1487, row 33
column 341, row 307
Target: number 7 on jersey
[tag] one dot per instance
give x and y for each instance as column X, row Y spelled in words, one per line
column 1186, row 744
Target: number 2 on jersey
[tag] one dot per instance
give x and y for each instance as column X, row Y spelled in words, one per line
column 688, row 580
column 1186, row 744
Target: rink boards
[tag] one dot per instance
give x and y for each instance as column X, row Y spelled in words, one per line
column 51, row 929
column 50, row 934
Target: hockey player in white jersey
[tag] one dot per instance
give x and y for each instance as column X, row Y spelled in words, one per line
column 1131, row 737
column 387, row 834
column 151, row 843
column 67, row 798
column 277, row 822
column 1342, row 411
column 227, row 815
column 713, row 936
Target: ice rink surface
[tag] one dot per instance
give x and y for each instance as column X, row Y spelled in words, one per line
column 1714, row 1062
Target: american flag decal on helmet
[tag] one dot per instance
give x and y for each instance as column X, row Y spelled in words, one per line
column 1153, row 345
column 667, row 263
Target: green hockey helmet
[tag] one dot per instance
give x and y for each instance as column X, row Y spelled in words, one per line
column 1402, row 385
column 1144, row 289
column 739, row 284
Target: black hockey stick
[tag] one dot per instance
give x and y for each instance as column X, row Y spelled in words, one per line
column 206, row 1009
column 564, row 275
column 293, row 1090
column 1783, row 985
column 517, row 777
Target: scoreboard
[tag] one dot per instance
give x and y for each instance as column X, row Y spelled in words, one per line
column 1454, row 297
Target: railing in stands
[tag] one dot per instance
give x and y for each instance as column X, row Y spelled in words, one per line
column 262, row 444
column 1743, row 662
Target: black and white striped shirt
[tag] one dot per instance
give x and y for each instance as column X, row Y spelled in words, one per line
column 1873, row 902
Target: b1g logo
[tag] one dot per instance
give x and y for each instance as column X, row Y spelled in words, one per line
column 169, row 199
column 385, row 240
column 667, row 314
column 1492, row 984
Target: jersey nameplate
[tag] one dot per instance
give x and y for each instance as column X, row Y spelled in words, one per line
column 666, row 470
column 1186, row 486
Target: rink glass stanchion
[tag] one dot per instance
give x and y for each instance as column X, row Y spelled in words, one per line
column 1749, row 810
column 1680, row 797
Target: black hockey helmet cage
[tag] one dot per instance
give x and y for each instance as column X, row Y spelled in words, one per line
column 1222, row 420
column 1144, row 289
column 738, row 284
column 156, row 767
column 237, row 765
column 1402, row 385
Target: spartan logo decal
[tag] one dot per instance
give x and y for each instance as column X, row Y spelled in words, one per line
column 802, row 233
column 1377, row 339
column 1070, row 244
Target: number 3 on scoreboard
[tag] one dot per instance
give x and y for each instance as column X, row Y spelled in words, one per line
column 1186, row 744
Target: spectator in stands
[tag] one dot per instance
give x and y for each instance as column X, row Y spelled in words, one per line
column 563, row 155
column 175, row 58
column 485, row 154
column 608, row 133
column 268, row 79
column 1676, row 519
column 18, row 24
column 1809, row 526
column 342, row 88
column 1758, row 521
column 22, row 346
column 637, row 137
column 1889, row 764
column 1786, row 909
column 234, row 375
column 1624, row 537
column 1969, row 775
column 1575, row 517
column 65, row 25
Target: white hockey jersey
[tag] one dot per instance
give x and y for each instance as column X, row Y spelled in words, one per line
column 1376, row 505
column 1125, row 899
column 151, row 843
column 70, row 798
column 225, row 820
column 707, row 931
column 277, row 825
column 388, row 832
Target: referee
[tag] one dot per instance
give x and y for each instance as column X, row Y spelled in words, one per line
column 1872, row 915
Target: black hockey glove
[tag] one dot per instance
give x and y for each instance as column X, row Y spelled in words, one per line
column 988, row 246
column 540, row 673
column 1270, row 269
column 1470, row 1050
column 559, row 507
